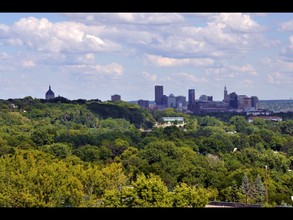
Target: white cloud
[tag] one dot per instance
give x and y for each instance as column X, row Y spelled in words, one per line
column 274, row 78
column 278, row 64
column 149, row 76
column 171, row 62
column 45, row 36
column 112, row 69
column 4, row 30
column 130, row 35
column 126, row 18
column 237, row 22
column 286, row 26
column 28, row 63
column 277, row 78
column 224, row 34
column 222, row 72
column 287, row 52
column 247, row 68
column 88, row 58
column 189, row 77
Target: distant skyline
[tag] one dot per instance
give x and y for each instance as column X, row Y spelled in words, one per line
column 97, row 55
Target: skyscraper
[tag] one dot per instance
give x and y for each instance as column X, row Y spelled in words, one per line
column 158, row 94
column 191, row 98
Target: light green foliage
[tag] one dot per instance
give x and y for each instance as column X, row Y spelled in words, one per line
column 151, row 192
column 231, row 193
column 113, row 176
column 187, row 196
column 275, row 160
column 210, row 121
column 32, row 179
column 124, row 197
column 114, row 124
column 192, row 124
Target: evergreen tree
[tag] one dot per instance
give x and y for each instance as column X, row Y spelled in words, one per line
column 252, row 191
column 235, row 192
column 260, row 190
column 245, row 186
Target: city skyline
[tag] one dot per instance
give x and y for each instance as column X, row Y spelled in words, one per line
column 93, row 56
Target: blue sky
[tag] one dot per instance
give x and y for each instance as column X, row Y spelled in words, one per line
column 93, row 56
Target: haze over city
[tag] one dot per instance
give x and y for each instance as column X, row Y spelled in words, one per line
column 93, row 56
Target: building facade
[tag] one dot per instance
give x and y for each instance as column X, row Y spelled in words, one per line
column 171, row 101
column 115, row 98
column 191, row 98
column 159, row 92
column 143, row 103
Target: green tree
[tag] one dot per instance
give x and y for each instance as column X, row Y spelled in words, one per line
column 88, row 153
column 240, row 123
column 151, row 192
column 260, row 190
column 60, row 150
column 44, row 135
column 231, row 193
column 245, row 187
column 187, row 196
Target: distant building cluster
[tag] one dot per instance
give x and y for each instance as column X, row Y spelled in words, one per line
column 162, row 101
column 231, row 102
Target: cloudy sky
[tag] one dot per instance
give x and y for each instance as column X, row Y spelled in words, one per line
column 93, row 56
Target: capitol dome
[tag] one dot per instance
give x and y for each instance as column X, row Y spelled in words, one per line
column 50, row 94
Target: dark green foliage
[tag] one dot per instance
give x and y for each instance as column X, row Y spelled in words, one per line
column 59, row 150
column 90, row 153
column 131, row 113
column 43, row 135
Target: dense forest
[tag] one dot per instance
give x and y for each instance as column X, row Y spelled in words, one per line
column 88, row 153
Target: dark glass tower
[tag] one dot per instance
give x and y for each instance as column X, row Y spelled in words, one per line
column 191, row 98
column 159, row 94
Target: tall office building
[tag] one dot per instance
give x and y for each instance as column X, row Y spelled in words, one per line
column 158, row 94
column 254, row 102
column 191, row 98
column 233, row 100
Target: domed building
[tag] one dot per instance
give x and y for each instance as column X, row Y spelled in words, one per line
column 50, row 94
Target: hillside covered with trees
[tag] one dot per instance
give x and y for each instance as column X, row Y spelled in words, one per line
column 88, row 153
